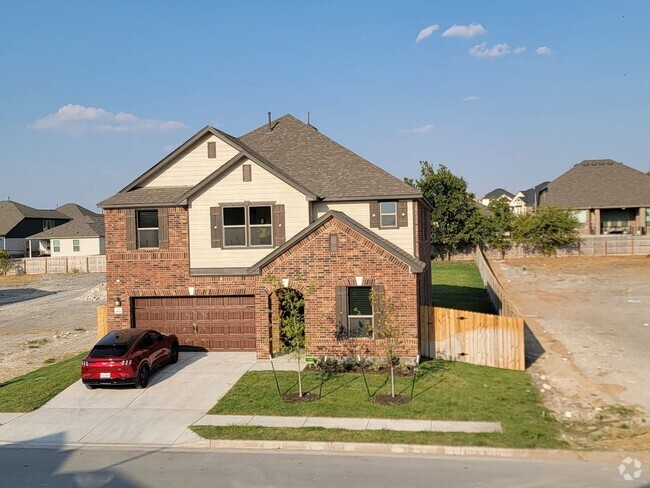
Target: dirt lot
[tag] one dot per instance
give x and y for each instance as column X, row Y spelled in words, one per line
column 591, row 320
column 45, row 318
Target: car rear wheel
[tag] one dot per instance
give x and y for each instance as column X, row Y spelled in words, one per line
column 143, row 377
column 173, row 357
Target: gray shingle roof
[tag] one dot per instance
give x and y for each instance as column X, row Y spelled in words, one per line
column 320, row 164
column 531, row 195
column 142, row 197
column 75, row 211
column 12, row 213
column 600, row 183
column 497, row 193
column 84, row 226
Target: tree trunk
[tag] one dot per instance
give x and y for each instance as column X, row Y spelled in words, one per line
column 392, row 382
column 299, row 380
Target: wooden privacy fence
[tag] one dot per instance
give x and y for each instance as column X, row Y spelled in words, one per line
column 470, row 337
column 102, row 321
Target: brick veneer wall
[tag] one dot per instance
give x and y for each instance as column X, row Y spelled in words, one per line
column 165, row 272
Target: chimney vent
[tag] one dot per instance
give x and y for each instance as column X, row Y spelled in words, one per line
column 270, row 126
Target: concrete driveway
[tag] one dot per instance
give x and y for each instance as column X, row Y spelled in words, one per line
column 177, row 396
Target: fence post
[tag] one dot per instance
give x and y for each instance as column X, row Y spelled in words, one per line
column 102, row 321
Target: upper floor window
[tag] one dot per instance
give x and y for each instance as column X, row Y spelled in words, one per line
column 147, row 221
column 247, row 226
column 388, row 214
column 48, row 224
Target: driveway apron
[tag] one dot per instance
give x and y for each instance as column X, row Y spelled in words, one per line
column 177, row 396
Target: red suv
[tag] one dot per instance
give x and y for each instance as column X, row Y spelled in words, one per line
column 128, row 356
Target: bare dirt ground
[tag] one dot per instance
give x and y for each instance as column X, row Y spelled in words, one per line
column 590, row 318
column 46, row 318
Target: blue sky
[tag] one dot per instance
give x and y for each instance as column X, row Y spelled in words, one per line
column 505, row 93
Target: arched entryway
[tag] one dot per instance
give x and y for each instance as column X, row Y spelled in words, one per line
column 287, row 307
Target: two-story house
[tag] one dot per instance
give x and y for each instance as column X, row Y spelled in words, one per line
column 200, row 244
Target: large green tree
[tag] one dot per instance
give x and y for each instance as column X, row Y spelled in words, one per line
column 547, row 230
column 498, row 225
column 455, row 219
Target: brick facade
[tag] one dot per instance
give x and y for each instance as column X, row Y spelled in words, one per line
column 309, row 266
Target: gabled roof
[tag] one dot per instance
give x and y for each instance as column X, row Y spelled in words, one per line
column 600, row 183
column 75, row 211
column 293, row 151
column 497, row 193
column 12, row 213
column 531, row 195
column 85, row 226
column 415, row 264
column 328, row 169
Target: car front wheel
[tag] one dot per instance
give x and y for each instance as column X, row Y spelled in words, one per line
column 173, row 357
column 142, row 379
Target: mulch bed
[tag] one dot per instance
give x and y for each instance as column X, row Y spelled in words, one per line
column 294, row 398
column 389, row 400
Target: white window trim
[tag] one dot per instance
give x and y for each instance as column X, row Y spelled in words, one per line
column 381, row 214
column 78, row 245
column 138, row 229
column 56, row 245
column 369, row 318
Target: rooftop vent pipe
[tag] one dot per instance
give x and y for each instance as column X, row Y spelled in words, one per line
column 270, row 126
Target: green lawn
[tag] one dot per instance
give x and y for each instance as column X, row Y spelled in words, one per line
column 458, row 285
column 444, row 391
column 30, row 391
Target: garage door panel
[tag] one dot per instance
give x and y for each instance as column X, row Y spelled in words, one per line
column 210, row 323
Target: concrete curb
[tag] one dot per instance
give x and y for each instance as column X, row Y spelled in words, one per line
column 366, row 448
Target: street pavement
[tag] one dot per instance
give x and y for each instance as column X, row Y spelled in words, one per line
column 29, row 467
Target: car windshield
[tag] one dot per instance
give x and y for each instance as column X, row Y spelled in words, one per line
column 109, row 351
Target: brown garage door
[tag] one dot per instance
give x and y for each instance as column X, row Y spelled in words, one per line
column 210, row 323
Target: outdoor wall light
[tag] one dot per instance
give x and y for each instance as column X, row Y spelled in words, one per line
column 118, row 302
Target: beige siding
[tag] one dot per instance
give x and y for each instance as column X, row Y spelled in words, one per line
column 360, row 211
column 194, row 166
column 89, row 246
column 264, row 187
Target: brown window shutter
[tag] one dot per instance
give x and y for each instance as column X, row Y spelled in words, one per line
column 342, row 308
column 130, row 229
column 163, row 229
column 334, row 242
column 379, row 300
column 374, row 215
column 279, row 235
column 212, row 150
column 402, row 214
column 215, row 226
column 246, row 168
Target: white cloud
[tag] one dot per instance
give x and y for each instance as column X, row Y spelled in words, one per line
column 426, row 32
column 76, row 119
column 470, row 98
column 496, row 51
column 418, row 130
column 544, row 50
column 465, row 31
column 519, row 50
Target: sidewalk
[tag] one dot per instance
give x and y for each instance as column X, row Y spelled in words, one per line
column 351, row 423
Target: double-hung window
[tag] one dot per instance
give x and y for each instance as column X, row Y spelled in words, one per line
column 248, row 226
column 76, row 245
column 360, row 313
column 388, row 214
column 56, row 245
column 147, row 221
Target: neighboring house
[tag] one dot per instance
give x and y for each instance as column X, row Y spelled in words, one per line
column 526, row 201
column 81, row 236
column 496, row 195
column 608, row 197
column 18, row 221
column 202, row 243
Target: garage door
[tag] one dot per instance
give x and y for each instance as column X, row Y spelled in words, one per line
column 209, row 323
